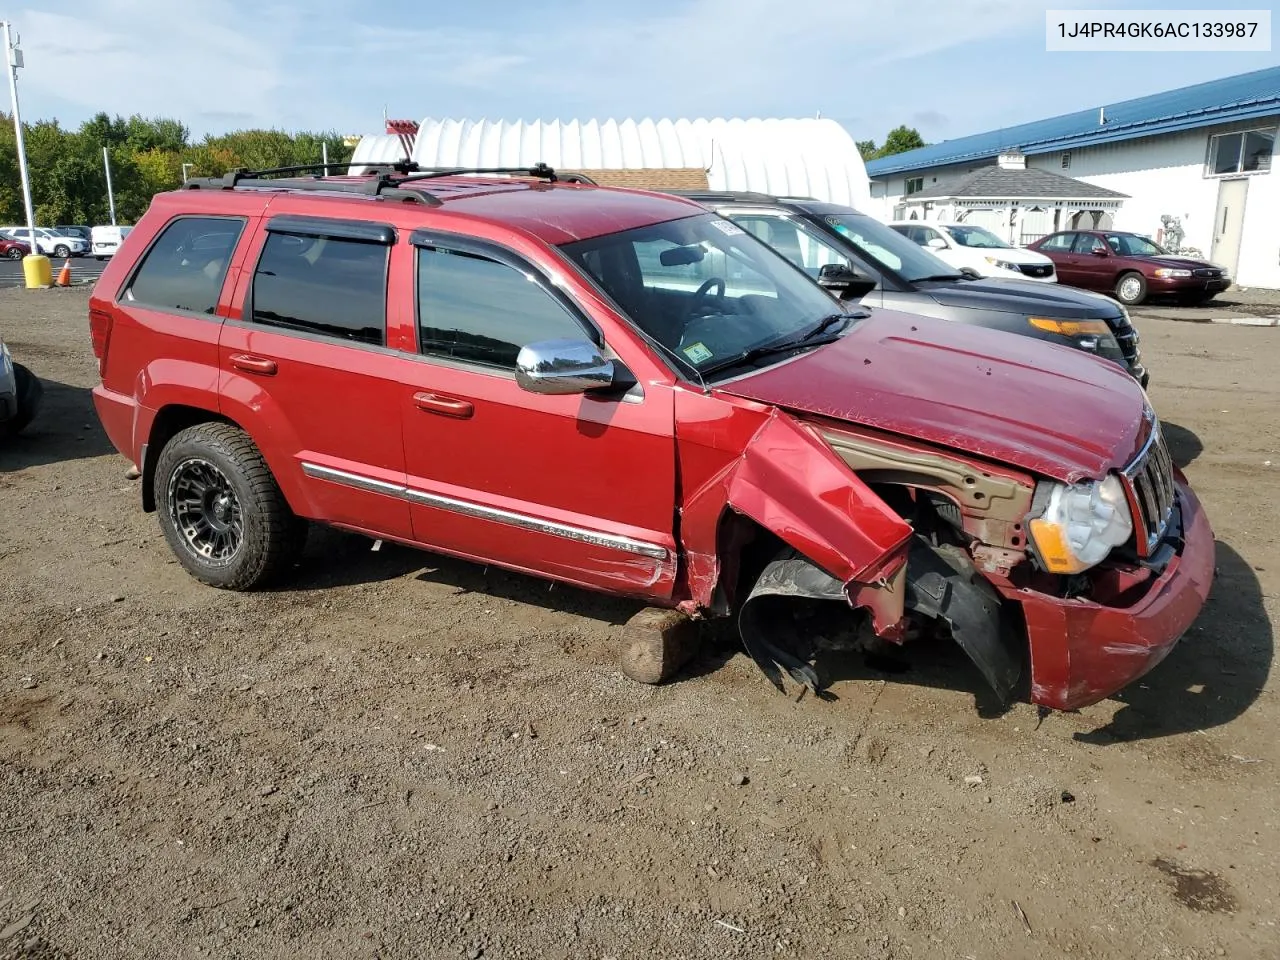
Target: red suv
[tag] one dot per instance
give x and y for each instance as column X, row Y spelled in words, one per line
column 1130, row 267
column 623, row 391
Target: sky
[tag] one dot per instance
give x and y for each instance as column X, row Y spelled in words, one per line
column 947, row 67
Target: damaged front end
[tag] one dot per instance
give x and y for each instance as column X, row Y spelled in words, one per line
column 960, row 514
column 978, row 566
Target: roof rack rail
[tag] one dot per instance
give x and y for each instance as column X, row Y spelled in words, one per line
column 232, row 178
column 388, row 182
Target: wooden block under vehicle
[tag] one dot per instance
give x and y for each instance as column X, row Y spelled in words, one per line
column 657, row 643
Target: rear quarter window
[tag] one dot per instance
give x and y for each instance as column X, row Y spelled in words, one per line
column 186, row 265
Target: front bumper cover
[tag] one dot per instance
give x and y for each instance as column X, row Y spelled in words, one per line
column 1082, row 651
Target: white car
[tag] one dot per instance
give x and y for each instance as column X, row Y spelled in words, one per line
column 972, row 249
column 51, row 244
column 107, row 240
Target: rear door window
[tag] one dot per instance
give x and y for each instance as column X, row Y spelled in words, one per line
column 186, row 265
column 330, row 286
column 1058, row 243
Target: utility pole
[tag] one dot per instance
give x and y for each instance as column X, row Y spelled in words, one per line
column 324, row 155
column 13, row 60
column 111, row 197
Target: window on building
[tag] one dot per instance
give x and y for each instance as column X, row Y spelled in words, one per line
column 185, row 267
column 478, row 310
column 323, row 285
column 1066, row 161
column 1248, row 151
column 913, row 185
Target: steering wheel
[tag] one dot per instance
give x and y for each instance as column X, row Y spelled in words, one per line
column 697, row 301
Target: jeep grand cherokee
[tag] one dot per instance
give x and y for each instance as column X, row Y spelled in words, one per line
column 624, row 391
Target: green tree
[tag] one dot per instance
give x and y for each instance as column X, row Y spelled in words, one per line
column 868, row 149
column 900, row 140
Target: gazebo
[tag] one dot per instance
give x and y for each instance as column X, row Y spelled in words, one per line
column 1019, row 204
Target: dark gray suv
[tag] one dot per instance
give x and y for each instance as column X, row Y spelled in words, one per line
column 858, row 257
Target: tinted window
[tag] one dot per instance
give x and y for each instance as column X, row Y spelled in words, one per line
column 1058, row 243
column 482, row 311
column 323, row 285
column 185, row 267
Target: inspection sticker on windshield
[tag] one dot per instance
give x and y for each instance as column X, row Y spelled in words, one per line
column 725, row 227
column 697, row 353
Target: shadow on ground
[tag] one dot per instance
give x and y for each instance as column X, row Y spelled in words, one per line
column 65, row 428
column 1184, row 445
column 1213, row 676
column 334, row 558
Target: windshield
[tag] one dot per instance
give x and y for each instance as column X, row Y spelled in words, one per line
column 976, row 237
column 1130, row 245
column 703, row 287
column 888, row 249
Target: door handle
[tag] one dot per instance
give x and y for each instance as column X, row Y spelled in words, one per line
column 242, row 361
column 445, row 406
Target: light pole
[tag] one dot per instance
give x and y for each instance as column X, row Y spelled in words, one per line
column 13, row 60
column 185, row 166
column 111, row 196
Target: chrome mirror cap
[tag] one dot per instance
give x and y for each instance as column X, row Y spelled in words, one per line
column 563, row 367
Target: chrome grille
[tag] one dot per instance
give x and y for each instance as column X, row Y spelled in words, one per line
column 1151, row 491
column 1207, row 272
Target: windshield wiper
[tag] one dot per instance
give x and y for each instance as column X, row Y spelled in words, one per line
column 826, row 323
column 808, row 340
column 940, row 276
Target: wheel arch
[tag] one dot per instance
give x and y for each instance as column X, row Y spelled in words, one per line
column 169, row 421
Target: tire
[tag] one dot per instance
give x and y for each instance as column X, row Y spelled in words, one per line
column 222, row 511
column 62, row 251
column 30, row 390
column 99, row 259
column 1131, row 288
column 14, row 254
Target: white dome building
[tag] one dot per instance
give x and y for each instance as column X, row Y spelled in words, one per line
column 788, row 157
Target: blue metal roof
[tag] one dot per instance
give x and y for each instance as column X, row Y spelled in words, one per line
column 1242, row 97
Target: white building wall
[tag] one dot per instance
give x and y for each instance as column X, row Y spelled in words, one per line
column 790, row 157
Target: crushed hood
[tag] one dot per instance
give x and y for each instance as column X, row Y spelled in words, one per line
column 1046, row 409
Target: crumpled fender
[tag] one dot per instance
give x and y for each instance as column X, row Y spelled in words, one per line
column 792, row 484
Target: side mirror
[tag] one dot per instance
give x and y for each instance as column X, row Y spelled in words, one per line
column 557, row 367
column 845, row 282
column 937, row 243
column 1099, row 251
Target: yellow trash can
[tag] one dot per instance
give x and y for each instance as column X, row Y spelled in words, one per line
column 38, row 271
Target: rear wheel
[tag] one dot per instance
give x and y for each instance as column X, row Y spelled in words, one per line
column 222, row 511
column 1131, row 289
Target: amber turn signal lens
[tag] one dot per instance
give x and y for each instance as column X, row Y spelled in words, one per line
column 1051, row 542
column 1070, row 328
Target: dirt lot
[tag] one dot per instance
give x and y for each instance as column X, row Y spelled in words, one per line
column 401, row 756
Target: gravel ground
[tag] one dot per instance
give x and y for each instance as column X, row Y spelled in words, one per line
column 395, row 755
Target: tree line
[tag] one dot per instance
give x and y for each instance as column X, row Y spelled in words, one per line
column 68, row 178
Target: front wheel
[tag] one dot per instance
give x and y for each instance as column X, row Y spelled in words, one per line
column 14, row 254
column 1131, row 289
column 222, row 511
column 62, row 252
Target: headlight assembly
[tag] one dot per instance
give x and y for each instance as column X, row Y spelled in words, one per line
column 1169, row 272
column 1002, row 264
column 1082, row 523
